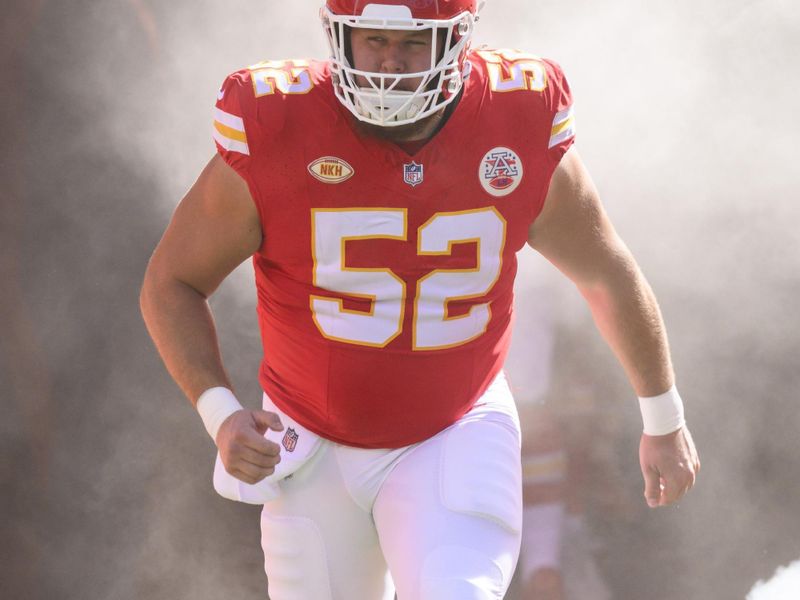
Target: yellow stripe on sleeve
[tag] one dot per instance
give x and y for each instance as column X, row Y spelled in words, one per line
column 230, row 132
column 561, row 126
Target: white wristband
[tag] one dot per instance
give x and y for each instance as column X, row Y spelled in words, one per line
column 215, row 405
column 662, row 414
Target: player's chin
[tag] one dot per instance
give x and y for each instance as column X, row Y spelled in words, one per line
column 405, row 132
column 389, row 132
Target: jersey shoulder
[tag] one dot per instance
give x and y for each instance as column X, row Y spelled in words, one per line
column 521, row 75
column 257, row 102
column 532, row 88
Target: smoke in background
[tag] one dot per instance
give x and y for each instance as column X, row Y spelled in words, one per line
column 782, row 586
column 687, row 122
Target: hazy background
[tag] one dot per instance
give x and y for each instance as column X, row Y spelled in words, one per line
column 688, row 121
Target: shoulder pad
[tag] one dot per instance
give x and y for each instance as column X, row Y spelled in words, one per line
column 514, row 71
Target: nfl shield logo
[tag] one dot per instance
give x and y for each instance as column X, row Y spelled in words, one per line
column 290, row 439
column 412, row 174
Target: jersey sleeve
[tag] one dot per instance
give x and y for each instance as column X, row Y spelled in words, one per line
column 558, row 100
column 235, row 125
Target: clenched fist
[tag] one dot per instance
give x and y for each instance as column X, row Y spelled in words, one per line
column 245, row 452
column 669, row 465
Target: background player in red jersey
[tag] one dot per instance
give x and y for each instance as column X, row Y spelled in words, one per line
column 384, row 264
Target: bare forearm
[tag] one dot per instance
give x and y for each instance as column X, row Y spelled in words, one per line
column 626, row 312
column 182, row 327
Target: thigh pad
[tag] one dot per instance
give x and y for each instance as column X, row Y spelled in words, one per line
column 481, row 473
column 295, row 558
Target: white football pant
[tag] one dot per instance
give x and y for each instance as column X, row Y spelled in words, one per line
column 440, row 520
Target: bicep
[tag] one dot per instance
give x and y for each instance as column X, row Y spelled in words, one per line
column 214, row 229
column 573, row 230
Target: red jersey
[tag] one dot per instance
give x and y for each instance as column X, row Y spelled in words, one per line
column 385, row 279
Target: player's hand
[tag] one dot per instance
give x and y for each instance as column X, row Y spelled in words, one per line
column 245, row 452
column 669, row 465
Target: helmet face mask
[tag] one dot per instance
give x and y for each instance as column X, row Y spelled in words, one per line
column 384, row 99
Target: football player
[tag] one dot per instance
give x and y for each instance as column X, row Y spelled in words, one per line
column 382, row 195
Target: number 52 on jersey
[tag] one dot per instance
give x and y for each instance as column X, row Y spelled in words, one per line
column 387, row 292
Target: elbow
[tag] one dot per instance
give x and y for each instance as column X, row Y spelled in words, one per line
column 162, row 289
column 618, row 277
column 147, row 292
column 597, row 294
column 156, row 284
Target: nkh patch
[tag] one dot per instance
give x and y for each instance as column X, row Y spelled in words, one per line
column 412, row 173
column 500, row 171
column 290, row 439
column 330, row 169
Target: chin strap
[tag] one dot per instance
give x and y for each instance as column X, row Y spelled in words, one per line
column 370, row 105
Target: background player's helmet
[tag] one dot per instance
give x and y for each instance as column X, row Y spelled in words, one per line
column 451, row 23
